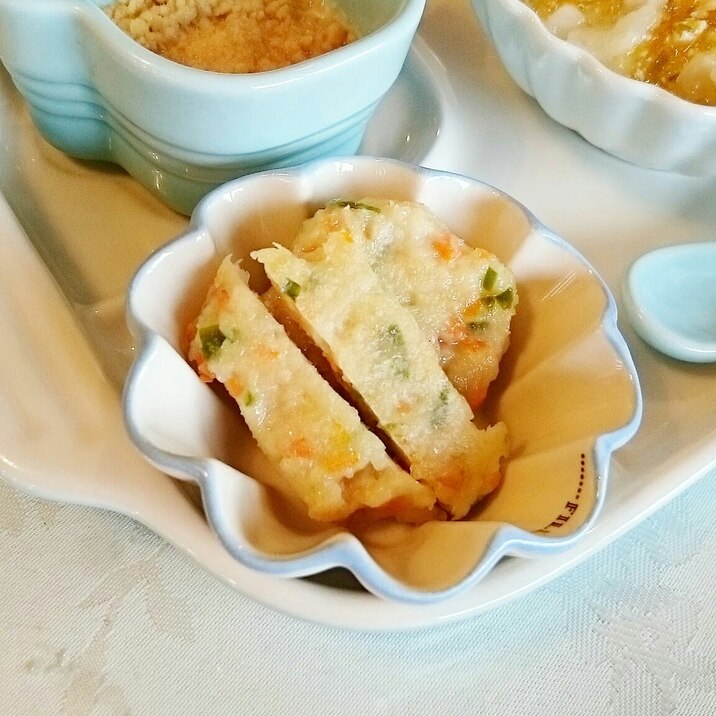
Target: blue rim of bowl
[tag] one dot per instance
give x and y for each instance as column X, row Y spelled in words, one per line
column 345, row 550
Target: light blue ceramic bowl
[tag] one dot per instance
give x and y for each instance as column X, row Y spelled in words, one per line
column 96, row 94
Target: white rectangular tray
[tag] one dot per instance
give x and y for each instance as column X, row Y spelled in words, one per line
column 83, row 229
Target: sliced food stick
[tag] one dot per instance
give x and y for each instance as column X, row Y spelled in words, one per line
column 316, row 439
column 462, row 297
column 377, row 348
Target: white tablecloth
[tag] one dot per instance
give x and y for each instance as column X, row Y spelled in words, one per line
column 100, row 616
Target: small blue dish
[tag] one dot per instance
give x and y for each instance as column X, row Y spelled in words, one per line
column 95, row 93
column 670, row 299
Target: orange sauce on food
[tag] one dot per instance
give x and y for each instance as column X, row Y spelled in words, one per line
column 686, row 29
column 598, row 13
column 683, row 31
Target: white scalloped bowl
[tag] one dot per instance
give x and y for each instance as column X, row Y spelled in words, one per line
column 567, row 390
column 635, row 121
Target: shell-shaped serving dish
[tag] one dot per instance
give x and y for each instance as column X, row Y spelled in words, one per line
column 95, row 93
column 635, row 121
column 567, row 389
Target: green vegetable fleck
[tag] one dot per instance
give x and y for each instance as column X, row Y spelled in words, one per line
column 478, row 326
column 212, row 339
column 506, row 298
column 488, row 280
column 292, row 289
column 354, row 205
column 249, row 399
column 439, row 412
column 396, row 335
column 393, row 345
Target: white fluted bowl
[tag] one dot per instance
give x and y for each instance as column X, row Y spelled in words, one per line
column 635, row 121
column 567, row 390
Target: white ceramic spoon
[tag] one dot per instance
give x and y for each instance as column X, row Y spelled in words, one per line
column 670, row 299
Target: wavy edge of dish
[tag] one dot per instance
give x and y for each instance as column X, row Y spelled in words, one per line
column 345, row 550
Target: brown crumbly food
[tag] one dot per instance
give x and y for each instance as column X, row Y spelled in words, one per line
column 234, row 36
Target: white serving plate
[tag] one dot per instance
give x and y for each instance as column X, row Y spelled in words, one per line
column 61, row 434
